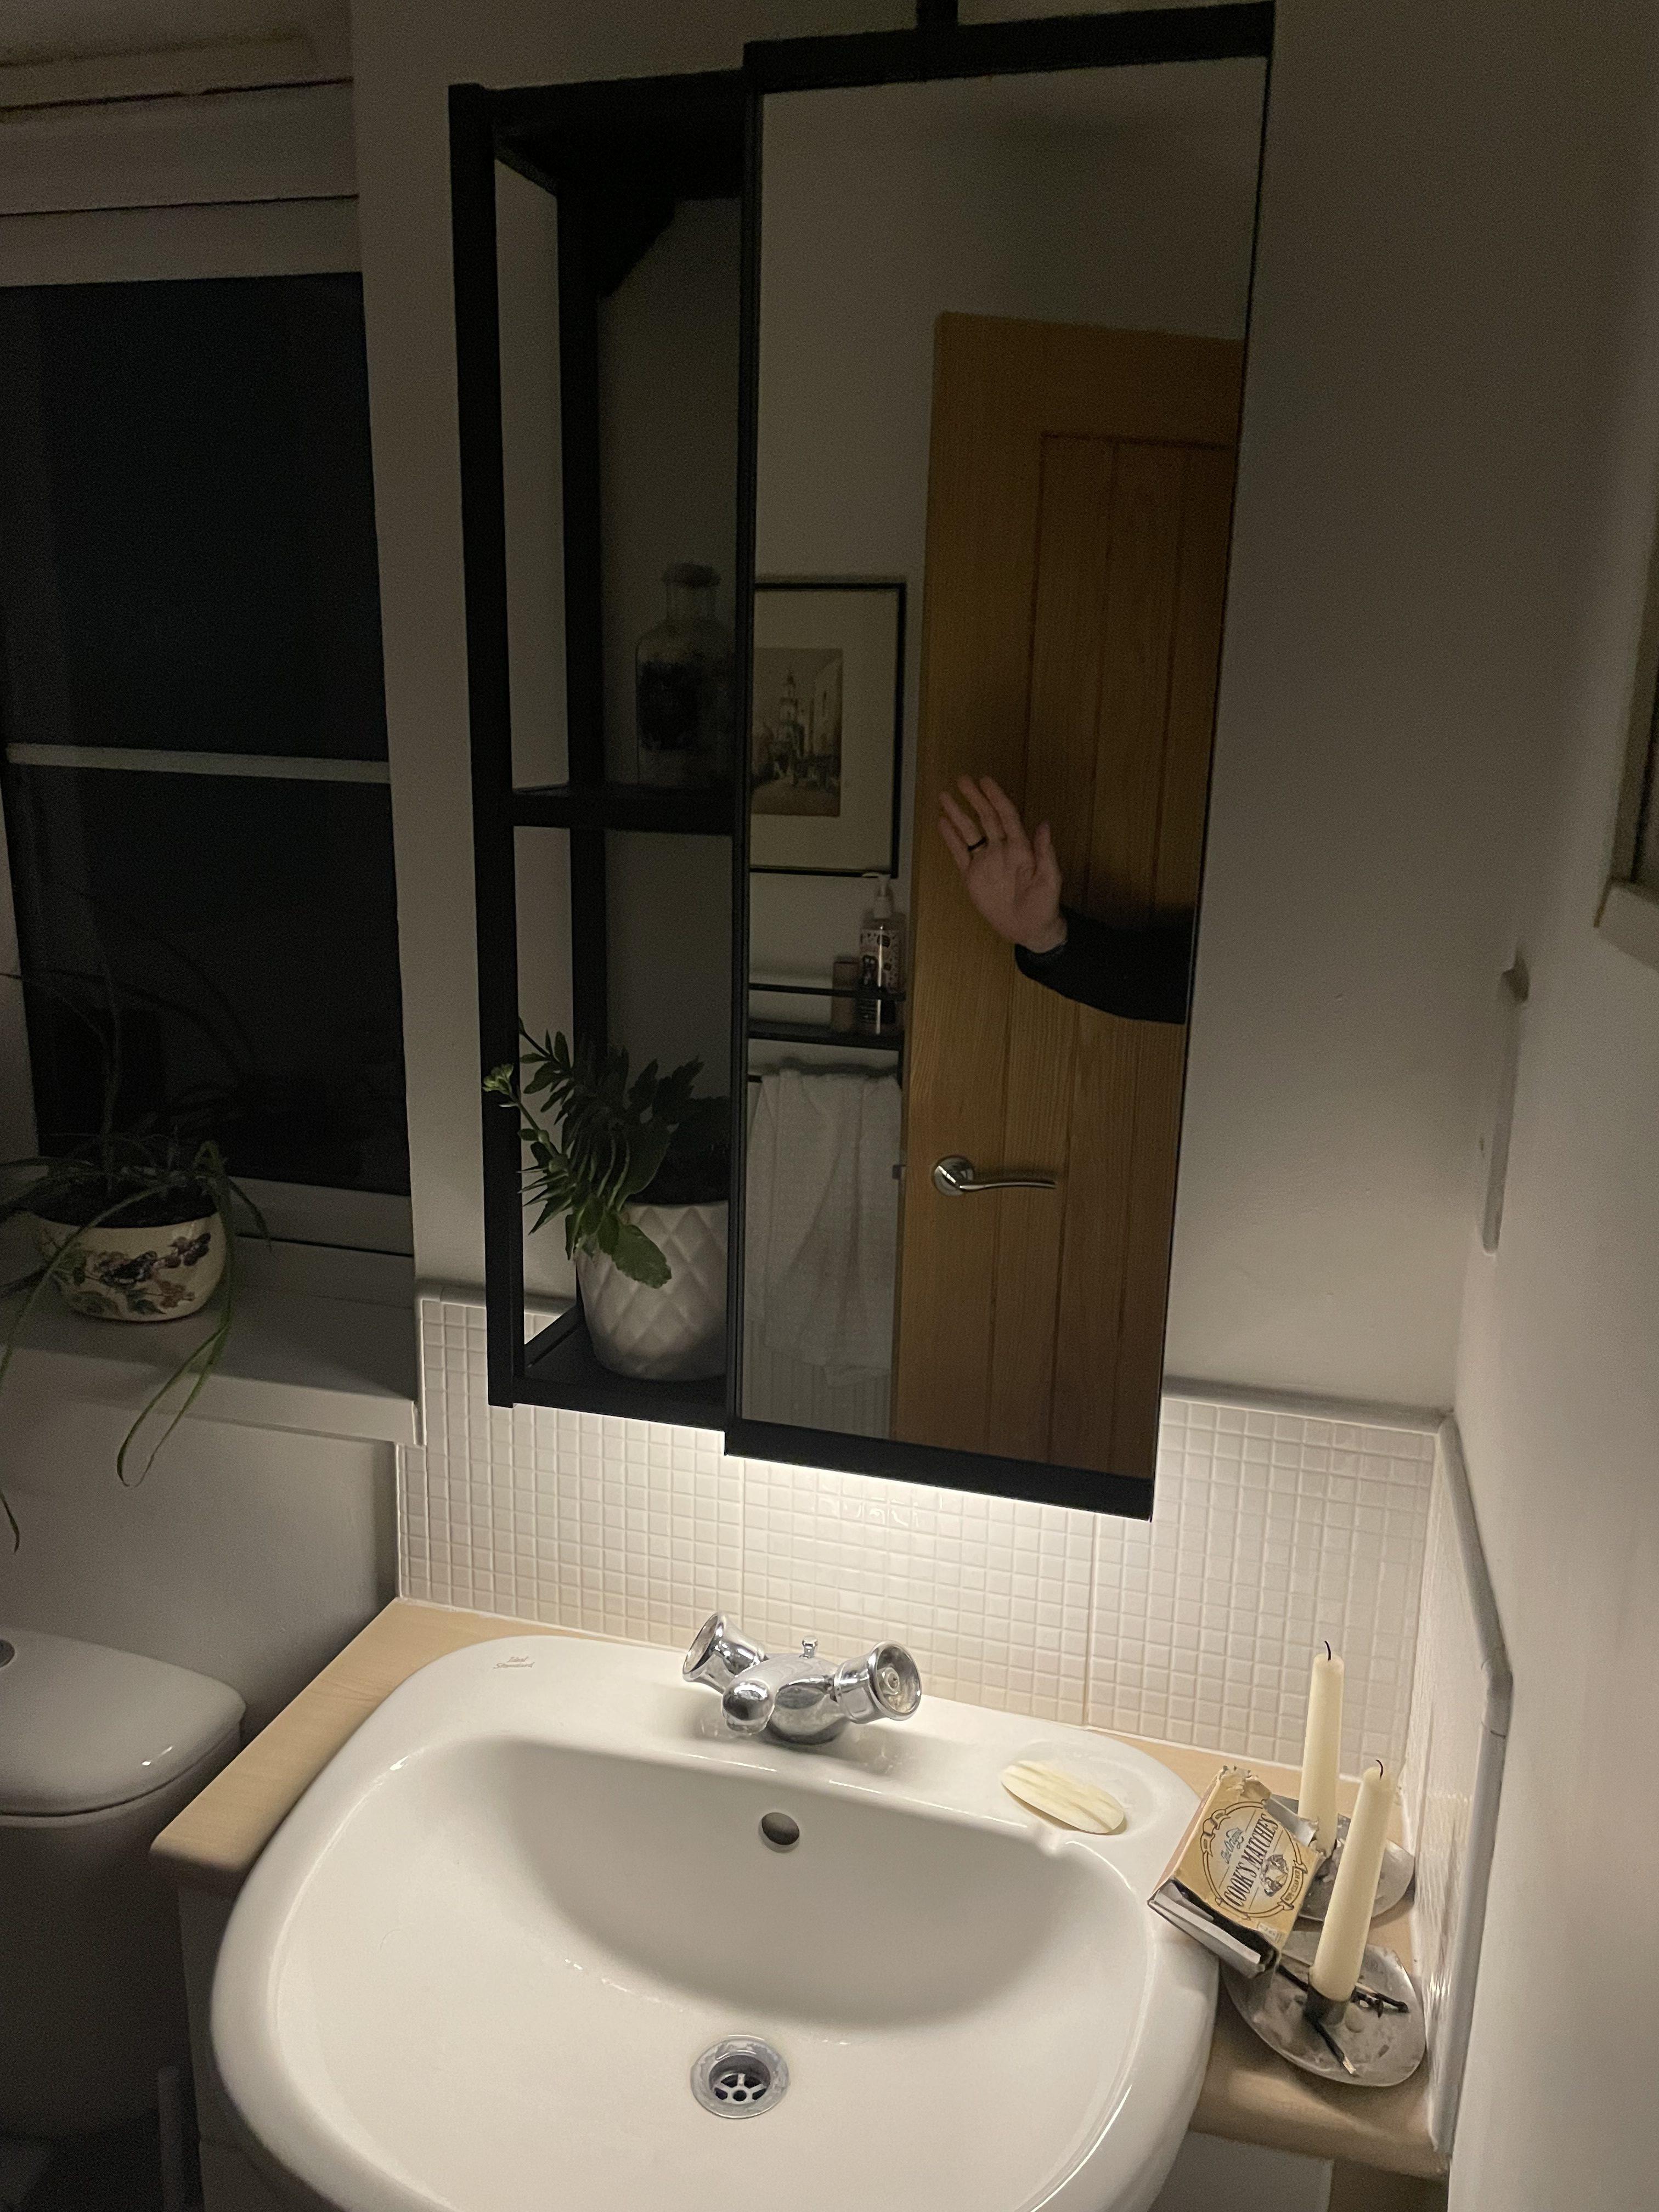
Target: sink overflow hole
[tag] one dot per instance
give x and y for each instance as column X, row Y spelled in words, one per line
column 739, row 2078
column 780, row 1831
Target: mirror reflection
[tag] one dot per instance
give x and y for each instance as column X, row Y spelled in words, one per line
column 1000, row 350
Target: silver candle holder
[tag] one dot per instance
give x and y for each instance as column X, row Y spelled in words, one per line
column 1375, row 2040
column 1394, row 1882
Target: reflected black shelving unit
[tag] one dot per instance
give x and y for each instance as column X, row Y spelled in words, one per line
column 822, row 1033
column 560, row 1369
column 780, row 1030
column 619, row 157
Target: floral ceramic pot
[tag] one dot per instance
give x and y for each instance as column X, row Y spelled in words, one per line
column 674, row 1335
column 118, row 1273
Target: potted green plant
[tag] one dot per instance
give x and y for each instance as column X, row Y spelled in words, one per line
column 640, row 1171
column 130, row 1225
column 135, row 1227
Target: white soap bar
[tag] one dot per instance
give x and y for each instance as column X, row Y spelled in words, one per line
column 1060, row 1796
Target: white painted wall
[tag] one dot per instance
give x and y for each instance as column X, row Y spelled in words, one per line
column 1558, row 1384
column 1378, row 667
column 247, row 1554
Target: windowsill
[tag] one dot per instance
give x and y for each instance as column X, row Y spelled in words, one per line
column 1630, row 919
column 324, row 1342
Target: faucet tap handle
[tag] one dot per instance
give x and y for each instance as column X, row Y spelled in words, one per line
column 749, row 1706
column 718, row 1654
column 884, row 1684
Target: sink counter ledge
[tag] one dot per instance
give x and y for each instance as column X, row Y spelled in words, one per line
column 1249, row 2095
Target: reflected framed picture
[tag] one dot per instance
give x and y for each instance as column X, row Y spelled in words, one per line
column 826, row 726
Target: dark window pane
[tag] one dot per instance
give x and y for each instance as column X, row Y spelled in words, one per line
column 249, row 933
column 187, row 556
column 187, row 565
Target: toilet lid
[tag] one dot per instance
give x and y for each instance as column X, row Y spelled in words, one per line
column 82, row 1727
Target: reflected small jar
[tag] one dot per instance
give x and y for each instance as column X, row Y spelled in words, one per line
column 683, row 686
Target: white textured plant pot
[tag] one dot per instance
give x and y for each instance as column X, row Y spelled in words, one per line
column 678, row 1334
column 136, row 1275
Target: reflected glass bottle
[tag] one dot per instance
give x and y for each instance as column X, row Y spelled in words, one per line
column 683, row 685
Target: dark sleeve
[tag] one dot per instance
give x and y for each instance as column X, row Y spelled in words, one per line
column 1140, row 975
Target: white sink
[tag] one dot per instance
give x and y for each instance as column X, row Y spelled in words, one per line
column 475, row 1967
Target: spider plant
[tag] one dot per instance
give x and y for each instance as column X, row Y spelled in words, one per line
column 150, row 1175
column 599, row 1142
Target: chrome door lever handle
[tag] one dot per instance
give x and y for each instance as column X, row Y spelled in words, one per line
column 954, row 1176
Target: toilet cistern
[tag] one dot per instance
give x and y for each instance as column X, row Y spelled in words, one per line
column 800, row 1699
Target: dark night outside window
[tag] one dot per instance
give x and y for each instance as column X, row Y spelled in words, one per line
column 195, row 780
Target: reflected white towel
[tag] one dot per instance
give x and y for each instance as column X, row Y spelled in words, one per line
column 822, row 1207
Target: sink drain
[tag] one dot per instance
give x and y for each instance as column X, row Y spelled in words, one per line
column 740, row 2077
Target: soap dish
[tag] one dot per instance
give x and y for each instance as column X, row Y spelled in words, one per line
column 1064, row 1797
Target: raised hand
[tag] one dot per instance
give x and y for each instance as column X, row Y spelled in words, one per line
column 1013, row 879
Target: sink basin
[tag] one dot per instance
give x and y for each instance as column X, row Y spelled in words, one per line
column 476, row 1966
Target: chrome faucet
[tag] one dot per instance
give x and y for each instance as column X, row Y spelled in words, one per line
column 804, row 1699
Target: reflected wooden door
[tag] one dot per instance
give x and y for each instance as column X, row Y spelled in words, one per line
column 1079, row 497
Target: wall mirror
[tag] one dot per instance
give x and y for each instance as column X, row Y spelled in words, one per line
column 996, row 351
column 831, row 430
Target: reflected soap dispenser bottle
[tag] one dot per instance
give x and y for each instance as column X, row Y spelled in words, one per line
column 880, row 1002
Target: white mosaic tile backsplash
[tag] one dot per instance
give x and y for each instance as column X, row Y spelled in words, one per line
column 1270, row 1529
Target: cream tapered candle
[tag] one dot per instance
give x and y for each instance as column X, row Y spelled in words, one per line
column 1348, row 1918
column 1316, row 1799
